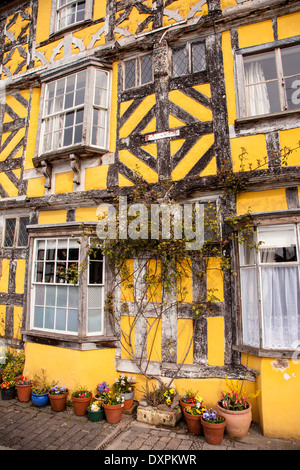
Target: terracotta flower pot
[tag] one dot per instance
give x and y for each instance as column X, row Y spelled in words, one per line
column 58, row 402
column 193, row 423
column 81, row 405
column 128, row 400
column 183, row 406
column 213, row 432
column 237, row 422
column 113, row 413
column 24, row 392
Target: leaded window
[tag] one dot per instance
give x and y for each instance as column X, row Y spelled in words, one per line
column 138, row 71
column 16, row 232
column 190, row 58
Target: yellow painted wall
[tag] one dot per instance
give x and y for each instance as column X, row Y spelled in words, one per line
column 290, row 140
column 4, row 273
column 70, row 367
column 288, row 25
column 254, row 34
column 215, row 341
column 249, row 152
column 261, row 201
column 154, row 337
column 51, row 217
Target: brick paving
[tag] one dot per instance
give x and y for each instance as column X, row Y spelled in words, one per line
column 24, row 426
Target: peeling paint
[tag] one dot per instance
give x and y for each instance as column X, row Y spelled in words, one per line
column 280, row 364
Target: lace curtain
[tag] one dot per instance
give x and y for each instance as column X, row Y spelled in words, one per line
column 257, row 97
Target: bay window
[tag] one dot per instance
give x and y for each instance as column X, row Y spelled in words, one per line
column 270, row 288
column 59, row 303
column 74, row 112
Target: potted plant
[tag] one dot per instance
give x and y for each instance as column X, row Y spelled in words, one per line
column 81, row 400
column 125, row 385
column 192, row 416
column 213, row 426
column 58, row 397
column 39, row 391
column 190, row 399
column 236, row 409
column 101, row 389
column 8, row 390
column 113, row 404
column 24, row 387
column 95, row 411
column 159, row 406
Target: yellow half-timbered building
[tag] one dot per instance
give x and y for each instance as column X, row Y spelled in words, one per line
column 94, row 92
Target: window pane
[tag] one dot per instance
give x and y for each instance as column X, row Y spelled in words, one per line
column 262, row 86
column 198, row 57
column 179, row 62
column 250, row 306
column 72, row 324
column 73, row 296
column 38, row 317
column 62, row 296
column 94, row 321
column 278, row 244
column 146, row 69
column 130, row 73
column 49, row 318
column 23, row 234
column 60, row 319
column 292, row 88
column 10, row 225
column 101, row 85
column 290, row 60
column 39, row 295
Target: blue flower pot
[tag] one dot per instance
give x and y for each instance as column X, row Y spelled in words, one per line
column 40, row 400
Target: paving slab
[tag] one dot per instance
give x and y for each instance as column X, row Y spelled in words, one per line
column 24, row 426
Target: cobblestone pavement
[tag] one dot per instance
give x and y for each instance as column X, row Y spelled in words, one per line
column 24, row 426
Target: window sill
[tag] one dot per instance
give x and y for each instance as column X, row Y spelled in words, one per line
column 265, row 118
column 260, row 352
column 81, row 151
column 84, row 343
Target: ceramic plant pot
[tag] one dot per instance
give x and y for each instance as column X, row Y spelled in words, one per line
column 81, row 404
column 113, row 413
column 24, row 392
column 95, row 416
column 128, row 400
column 193, row 423
column 237, row 422
column 58, row 402
column 40, row 400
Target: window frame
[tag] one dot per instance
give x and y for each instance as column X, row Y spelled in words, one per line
column 262, row 349
column 188, row 55
column 138, row 71
column 63, row 338
column 54, row 28
column 15, row 243
column 91, row 67
column 275, row 47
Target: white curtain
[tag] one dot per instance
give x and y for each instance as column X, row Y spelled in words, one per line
column 280, row 306
column 250, row 306
column 257, row 97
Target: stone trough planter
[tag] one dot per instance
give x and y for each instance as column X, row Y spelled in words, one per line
column 158, row 417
